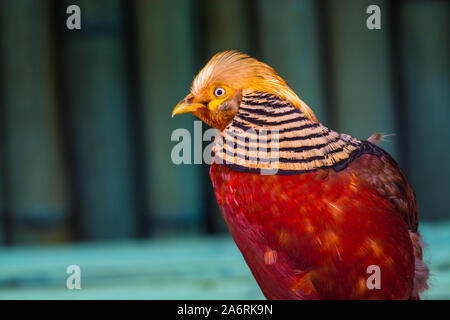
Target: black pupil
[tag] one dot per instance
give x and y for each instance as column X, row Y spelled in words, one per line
column 219, row 92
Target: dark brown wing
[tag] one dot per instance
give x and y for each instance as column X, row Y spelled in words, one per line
column 385, row 175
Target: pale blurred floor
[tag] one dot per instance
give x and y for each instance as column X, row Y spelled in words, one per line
column 175, row 268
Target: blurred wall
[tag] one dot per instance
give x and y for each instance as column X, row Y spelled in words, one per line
column 85, row 121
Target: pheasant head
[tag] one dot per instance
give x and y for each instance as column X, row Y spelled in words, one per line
column 217, row 90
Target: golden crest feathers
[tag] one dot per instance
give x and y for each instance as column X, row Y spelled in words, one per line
column 240, row 71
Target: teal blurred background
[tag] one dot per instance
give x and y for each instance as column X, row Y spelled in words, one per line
column 85, row 132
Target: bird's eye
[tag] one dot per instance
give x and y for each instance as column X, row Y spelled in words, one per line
column 218, row 92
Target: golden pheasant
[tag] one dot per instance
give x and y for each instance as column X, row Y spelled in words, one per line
column 313, row 211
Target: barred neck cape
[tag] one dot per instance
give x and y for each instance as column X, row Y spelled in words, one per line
column 269, row 135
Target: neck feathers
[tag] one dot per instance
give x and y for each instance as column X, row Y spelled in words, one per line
column 271, row 136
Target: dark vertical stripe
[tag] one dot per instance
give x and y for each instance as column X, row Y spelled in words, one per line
column 5, row 210
column 137, row 141
column 57, row 13
column 324, row 18
column 253, row 27
column 198, row 13
column 394, row 19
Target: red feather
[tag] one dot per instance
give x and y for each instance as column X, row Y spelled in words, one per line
column 313, row 235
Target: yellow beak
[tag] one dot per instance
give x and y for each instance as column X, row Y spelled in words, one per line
column 184, row 107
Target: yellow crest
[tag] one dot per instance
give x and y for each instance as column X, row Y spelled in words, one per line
column 240, row 71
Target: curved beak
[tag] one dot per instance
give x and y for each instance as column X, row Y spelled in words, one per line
column 184, row 107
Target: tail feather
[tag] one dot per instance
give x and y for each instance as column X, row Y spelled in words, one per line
column 377, row 137
column 421, row 272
